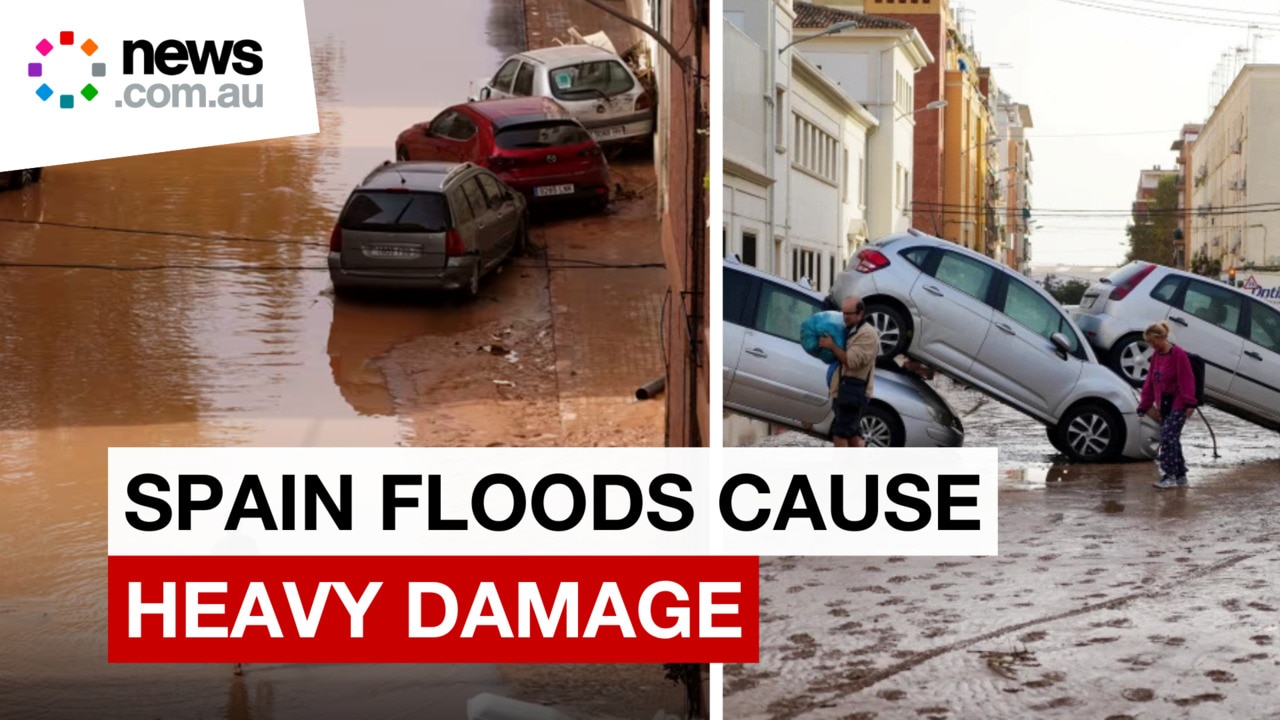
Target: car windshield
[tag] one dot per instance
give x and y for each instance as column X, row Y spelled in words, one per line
column 541, row 135
column 583, row 81
column 394, row 211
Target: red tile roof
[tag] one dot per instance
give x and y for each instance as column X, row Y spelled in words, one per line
column 816, row 17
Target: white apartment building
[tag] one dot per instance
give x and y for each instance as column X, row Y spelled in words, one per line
column 1014, row 175
column 875, row 64
column 1235, row 177
column 826, row 203
column 756, row 122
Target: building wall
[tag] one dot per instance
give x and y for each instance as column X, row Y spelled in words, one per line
column 1233, row 167
column 825, row 217
column 687, row 263
column 931, row 20
column 869, row 66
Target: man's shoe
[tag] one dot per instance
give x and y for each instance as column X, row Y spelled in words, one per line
column 1181, row 481
column 1165, row 482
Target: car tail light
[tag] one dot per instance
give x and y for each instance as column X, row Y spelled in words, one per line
column 335, row 239
column 1121, row 291
column 643, row 102
column 453, row 246
column 871, row 260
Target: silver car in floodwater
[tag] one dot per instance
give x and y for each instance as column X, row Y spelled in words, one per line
column 769, row 376
column 426, row 226
column 1236, row 334
column 989, row 327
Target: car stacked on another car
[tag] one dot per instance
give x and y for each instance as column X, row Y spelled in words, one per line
column 768, row 375
column 1236, row 334
column 591, row 83
column 989, row 327
column 532, row 143
column 425, row 226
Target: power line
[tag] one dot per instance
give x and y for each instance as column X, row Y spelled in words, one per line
column 1199, row 20
column 1202, row 8
column 1107, row 134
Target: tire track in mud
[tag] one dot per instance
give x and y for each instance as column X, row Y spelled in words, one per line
column 910, row 663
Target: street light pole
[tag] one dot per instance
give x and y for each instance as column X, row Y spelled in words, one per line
column 831, row 30
column 936, row 104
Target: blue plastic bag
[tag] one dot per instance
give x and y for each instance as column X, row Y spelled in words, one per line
column 829, row 323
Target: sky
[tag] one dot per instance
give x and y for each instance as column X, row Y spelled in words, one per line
column 1086, row 71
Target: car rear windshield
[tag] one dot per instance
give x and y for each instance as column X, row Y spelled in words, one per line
column 1123, row 275
column 541, row 135
column 584, row 81
column 393, row 211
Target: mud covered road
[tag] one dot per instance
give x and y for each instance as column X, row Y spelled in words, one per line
column 1109, row 598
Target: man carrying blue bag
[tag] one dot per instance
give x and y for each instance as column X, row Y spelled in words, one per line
column 853, row 383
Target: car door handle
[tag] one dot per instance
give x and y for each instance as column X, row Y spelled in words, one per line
column 1178, row 320
column 1253, row 355
column 1006, row 328
column 933, row 290
column 758, row 353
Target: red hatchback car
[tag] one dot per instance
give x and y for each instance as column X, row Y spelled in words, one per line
column 532, row 143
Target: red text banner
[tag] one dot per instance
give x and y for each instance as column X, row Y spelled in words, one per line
column 326, row 609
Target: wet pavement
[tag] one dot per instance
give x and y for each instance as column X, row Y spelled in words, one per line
column 1109, row 598
column 181, row 299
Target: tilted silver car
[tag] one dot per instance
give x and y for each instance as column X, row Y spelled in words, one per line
column 593, row 84
column 768, row 375
column 987, row 326
column 426, row 226
column 1237, row 334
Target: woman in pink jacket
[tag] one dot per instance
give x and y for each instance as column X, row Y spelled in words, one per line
column 1169, row 398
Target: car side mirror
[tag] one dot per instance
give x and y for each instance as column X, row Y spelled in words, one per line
column 484, row 93
column 1060, row 341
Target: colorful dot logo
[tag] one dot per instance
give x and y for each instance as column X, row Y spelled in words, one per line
column 36, row 69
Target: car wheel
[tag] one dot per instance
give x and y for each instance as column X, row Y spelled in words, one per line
column 892, row 326
column 1056, row 441
column 1131, row 358
column 1091, row 433
column 881, row 427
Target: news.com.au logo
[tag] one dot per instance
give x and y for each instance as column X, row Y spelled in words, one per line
column 170, row 58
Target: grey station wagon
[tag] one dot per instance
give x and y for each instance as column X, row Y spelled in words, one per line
column 426, row 226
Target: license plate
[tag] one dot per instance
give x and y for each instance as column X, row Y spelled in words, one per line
column 548, row 190
column 607, row 133
column 392, row 251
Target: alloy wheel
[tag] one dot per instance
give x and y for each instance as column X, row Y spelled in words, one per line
column 888, row 329
column 876, row 432
column 1089, row 434
column 1135, row 361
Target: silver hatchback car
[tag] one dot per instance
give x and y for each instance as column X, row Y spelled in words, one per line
column 768, row 375
column 989, row 327
column 1237, row 334
column 593, row 84
column 426, row 226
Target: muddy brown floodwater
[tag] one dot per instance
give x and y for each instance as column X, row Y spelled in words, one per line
column 181, row 299
column 1108, row 599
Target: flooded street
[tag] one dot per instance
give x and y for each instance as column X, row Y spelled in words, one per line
column 181, row 299
column 1109, row 598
